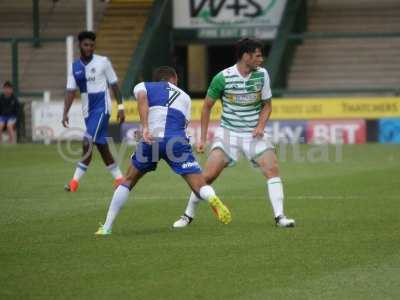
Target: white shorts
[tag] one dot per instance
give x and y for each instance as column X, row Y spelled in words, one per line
column 233, row 143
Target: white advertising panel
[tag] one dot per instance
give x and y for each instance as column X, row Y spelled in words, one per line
column 46, row 122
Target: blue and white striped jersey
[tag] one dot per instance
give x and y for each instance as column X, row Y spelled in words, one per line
column 93, row 80
column 169, row 108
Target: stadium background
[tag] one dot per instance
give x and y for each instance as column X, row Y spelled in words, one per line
column 335, row 74
column 327, row 60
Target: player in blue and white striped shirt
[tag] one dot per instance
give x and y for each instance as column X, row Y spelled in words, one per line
column 93, row 74
column 164, row 111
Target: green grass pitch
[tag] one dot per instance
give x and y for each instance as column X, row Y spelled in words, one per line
column 346, row 244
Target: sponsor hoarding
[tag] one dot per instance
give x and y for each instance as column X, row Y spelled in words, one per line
column 129, row 132
column 132, row 113
column 291, row 132
column 335, row 108
column 194, row 130
column 46, row 122
column 301, row 109
column 336, row 132
column 389, row 131
column 229, row 18
column 287, row 132
column 46, row 119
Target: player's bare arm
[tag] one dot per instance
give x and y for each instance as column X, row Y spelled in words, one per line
column 118, row 97
column 69, row 98
column 205, row 120
column 143, row 107
column 265, row 113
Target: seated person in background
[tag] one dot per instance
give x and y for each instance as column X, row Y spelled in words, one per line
column 8, row 112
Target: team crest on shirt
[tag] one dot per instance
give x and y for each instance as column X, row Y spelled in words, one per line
column 93, row 70
column 258, row 86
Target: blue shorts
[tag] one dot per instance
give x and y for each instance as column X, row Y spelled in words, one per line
column 8, row 119
column 176, row 152
column 97, row 127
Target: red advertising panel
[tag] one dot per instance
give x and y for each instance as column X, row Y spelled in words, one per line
column 336, row 132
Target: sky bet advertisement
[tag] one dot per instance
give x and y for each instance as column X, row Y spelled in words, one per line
column 309, row 120
column 286, row 132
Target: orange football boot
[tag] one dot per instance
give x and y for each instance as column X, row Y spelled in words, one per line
column 72, row 186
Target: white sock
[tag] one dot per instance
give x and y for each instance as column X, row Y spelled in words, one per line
column 80, row 171
column 275, row 191
column 192, row 205
column 115, row 170
column 206, row 192
column 118, row 200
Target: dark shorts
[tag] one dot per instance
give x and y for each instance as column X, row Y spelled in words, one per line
column 175, row 151
column 8, row 119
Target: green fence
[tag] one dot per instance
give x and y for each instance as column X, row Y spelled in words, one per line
column 14, row 43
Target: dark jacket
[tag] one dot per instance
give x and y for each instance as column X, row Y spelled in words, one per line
column 8, row 105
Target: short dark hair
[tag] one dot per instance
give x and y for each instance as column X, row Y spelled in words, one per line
column 247, row 45
column 83, row 35
column 164, row 73
column 8, row 84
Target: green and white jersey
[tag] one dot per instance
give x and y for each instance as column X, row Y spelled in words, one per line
column 242, row 98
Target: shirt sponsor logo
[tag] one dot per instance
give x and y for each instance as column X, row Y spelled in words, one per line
column 244, row 98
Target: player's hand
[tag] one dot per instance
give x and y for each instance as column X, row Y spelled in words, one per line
column 147, row 137
column 138, row 135
column 258, row 132
column 65, row 121
column 121, row 116
column 200, row 146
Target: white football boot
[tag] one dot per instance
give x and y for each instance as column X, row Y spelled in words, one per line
column 183, row 221
column 283, row 221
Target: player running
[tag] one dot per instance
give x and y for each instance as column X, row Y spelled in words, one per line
column 164, row 111
column 246, row 101
column 92, row 74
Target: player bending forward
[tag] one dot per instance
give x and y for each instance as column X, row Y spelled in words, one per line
column 246, row 101
column 92, row 74
column 164, row 112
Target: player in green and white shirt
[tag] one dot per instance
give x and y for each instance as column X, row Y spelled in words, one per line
column 245, row 92
column 242, row 97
